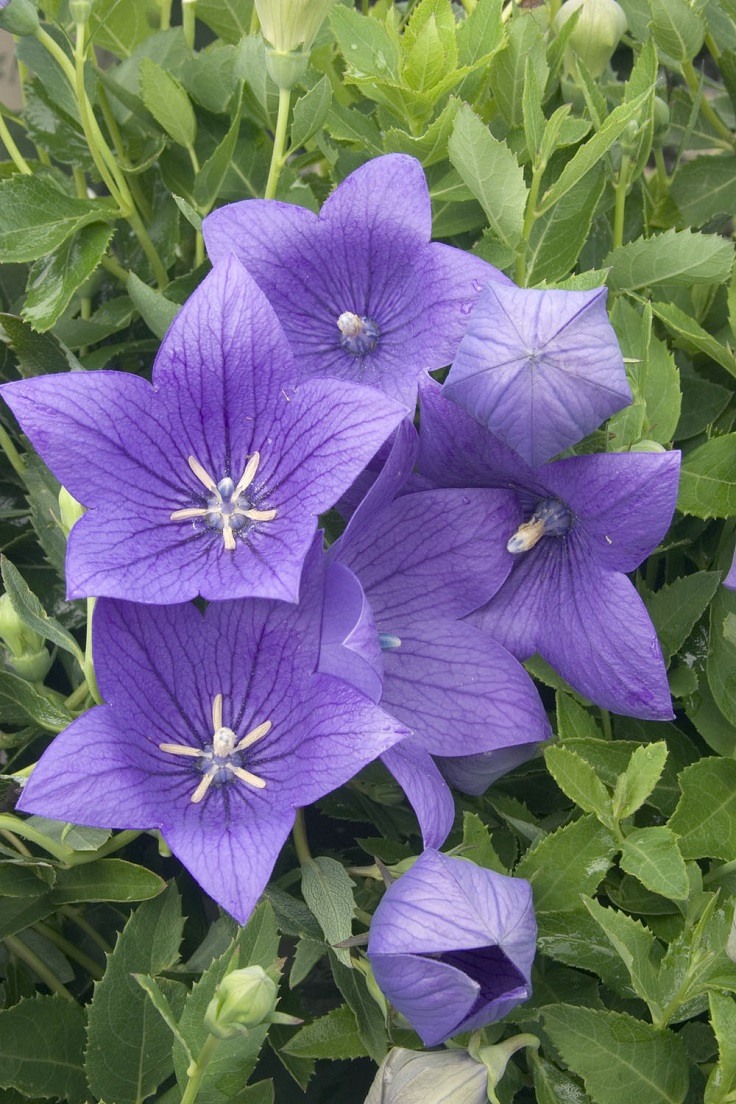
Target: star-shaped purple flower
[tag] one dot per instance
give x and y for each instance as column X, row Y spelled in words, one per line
column 587, row 521
column 361, row 292
column 213, row 732
column 452, row 945
column 210, row 480
column 540, row 369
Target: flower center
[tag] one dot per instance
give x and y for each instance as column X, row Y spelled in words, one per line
column 221, row 761
column 228, row 508
column 357, row 335
column 551, row 518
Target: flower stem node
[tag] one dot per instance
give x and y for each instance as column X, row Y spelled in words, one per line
column 28, row 656
column 551, row 518
column 597, row 33
column 70, row 511
column 20, row 17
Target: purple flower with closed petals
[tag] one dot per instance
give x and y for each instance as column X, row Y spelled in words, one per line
column 210, row 480
column 214, row 731
column 361, row 292
column 587, row 521
column 540, row 369
column 452, row 945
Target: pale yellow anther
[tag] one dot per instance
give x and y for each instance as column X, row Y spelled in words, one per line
column 216, row 712
column 223, row 507
column 180, row 749
column 248, row 475
column 246, row 776
column 258, row 515
column 526, row 536
column 185, row 515
column 203, row 787
column 228, row 535
column 253, row 735
column 202, row 475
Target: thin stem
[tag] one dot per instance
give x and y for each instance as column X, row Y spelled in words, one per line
column 39, row 967
column 16, row 843
column 117, row 140
column 70, row 950
column 706, row 109
column 529, row 219
column 77, row 697
column 198, row 249
column 662, row 176
column 165, row 21
column 113, row 267
column 194, row 159
column 16, row 156
column 299, row 835
column 719, row 872
column 278, row 156
column 21, row 828
column 73, row 915
column 115, row 843
column 89, row 669
column 622, row 187
column 606, row 723
column 12, row 453
column 195, row 1077
column 149, row 249
column 188, row 21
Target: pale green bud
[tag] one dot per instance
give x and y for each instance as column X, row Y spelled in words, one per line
column 70, row 511
column 243, row 1000
column 80, row 10
column 438, row 1077
column 647, row 446
column 597, row 32
column 28, row 654
column 20, row 17
column 661, row 123
column 291, row 25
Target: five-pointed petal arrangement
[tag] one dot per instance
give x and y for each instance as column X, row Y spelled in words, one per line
column 588, row 521
column 361, row 292
column 214, row 730
column 452, row 945
column 540, row 369
column 210, row 480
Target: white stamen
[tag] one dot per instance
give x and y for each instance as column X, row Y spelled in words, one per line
column 216, row 712
column 526, row 536
column 228, row 535
column 203, row 787
column 180, row 749
column 248, row 475
column 253, row 735
column 185, row 515
column 202, row 475
column 224, row 505
column 258, row 515
column 246, row 776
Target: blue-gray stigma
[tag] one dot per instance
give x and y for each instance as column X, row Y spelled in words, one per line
column 551, row 518
column 228, row 508
column 388, row 641
column 357, row 335
column 221, row 761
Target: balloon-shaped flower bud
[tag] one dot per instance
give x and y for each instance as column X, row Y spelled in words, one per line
column 661, row 122
column 70, row 511
column 290, row 27
column 411, row 1077
column 647, row 446
column 80, row 10
column 20, row 17
column 27, row 653
column 597, row 33
column 244, row 999
column 452, row 945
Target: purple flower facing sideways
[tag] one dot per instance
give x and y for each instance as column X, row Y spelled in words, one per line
column 587, row 521
column 213, row 732
column 452, row 945
column 361, row 292
column 210, row 480
column 540, row 369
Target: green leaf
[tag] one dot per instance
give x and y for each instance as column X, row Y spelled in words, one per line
column 652, row 856
column 692, row 336
column 156, row 310
column 481, row 33
column 37, row 354
column 161, row 1003
column 722, row 1079
column 490, row 171
column 209, row 77
column 534, row 120
column 578, row 780
column 211, row 175
column 704, row 188
column 31, row 612
column 292, row 915
column 54, row 279
column 365, row 44
column 168, row 102
column 43, row 499
column 678, row 257
column 478, row 845
column 107, row 880
column 677, row 607
column 619, row 1057
column 705, row 817
column 230, row 19
column 431, row 146
column 708, row 479
column 41, row 1044
column 333, row 1036
column 128, row 1044
column 573, row 721
column 368, row 1016
column 678, row 28
column 307, row 954
column 525, row 45
column 570, row 861
column 633, row 942
column 558, row 235
column 36, row 217
column 310, row 112
column 551, row 1085
column 424, row 60
column 121, row 27
column 721, row 661
column 20, row 703
column 350, row 125
column 328, row 891
column 637, row 782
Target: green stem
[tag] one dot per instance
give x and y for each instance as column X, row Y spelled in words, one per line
column 299, row 835
column 165, row 21
column 278, row 156
column 21, row 828
column 188, row 21
column 88, row 668
column 70, row 950
column 706, row 109
column 116, row 269
column 195, row 1077
column 12, row 453
column 115, row 843
column 530, row 218
column 117, row 140
column 77, row 697
column 74, row 917
column 606, row 723
column 194, row 159
column 25, row 954
column 622, row 187
column 16, row 156
column 720, row 872
column 662, row 176
column 198, row 249
column 149, row 249
column 16, row 843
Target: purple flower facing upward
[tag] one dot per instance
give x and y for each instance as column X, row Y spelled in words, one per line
column 540, row 369
column 587, row 521
column 210, row 481
column 361, row 292
column 452, row 945
column 213, row 732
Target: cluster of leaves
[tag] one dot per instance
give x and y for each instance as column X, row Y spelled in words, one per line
column 626, row 829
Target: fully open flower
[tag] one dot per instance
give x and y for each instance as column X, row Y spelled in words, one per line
column 210, row 480
column 360, row 291
column 587, row 521
column 452, row 945
column 213, row 732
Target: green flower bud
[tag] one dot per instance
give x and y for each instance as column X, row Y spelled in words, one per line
column 291, row 25
column 597, row 32
column 70, row 511
column 20, row 17
column 243, row 1000
column 28, row 655
column 647, row 446
column 437, row 1077
column 661, row 123
column 80, row 10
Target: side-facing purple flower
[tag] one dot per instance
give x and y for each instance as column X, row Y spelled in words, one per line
column 214, row 731
column 452, row 945
column 210, row 480
column 588, row 521
column 540, row 369
column 361, row 292
column 730, row 580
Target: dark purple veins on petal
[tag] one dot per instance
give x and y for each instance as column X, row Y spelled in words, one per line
column 490, row 968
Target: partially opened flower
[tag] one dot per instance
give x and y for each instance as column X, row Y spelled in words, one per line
column 214, row 732
column 210, row 480
column 587, row 521
column 452, row 945
column 540, row 369
column 361, row 292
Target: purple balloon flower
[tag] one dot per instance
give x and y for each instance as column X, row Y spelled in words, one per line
column 587, row 521
column 210, row 480
column 360, row 291
column 730, row 580
column 214, row 731
column 540, row 369
column 452, row 945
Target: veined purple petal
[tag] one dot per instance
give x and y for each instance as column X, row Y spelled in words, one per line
column 435, row 997
column 429, row 796
column 473, row 774
column 380, row 482
column 730, row 580
column 350, row 647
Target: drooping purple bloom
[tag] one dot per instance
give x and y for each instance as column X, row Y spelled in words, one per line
column 210, row 480
column 214, row 732
column 587, row 521
column 452, row 945
column 399, row 579
column 360, row 291
column 540, row 369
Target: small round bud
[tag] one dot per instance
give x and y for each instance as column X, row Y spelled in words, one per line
column 80, row 10
column 647, row 446
column 244, row 999
column 661, row 122
column 597, row 32
column 20, row 17
column 28, row 655
column 70, row 511
column 291, row 25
